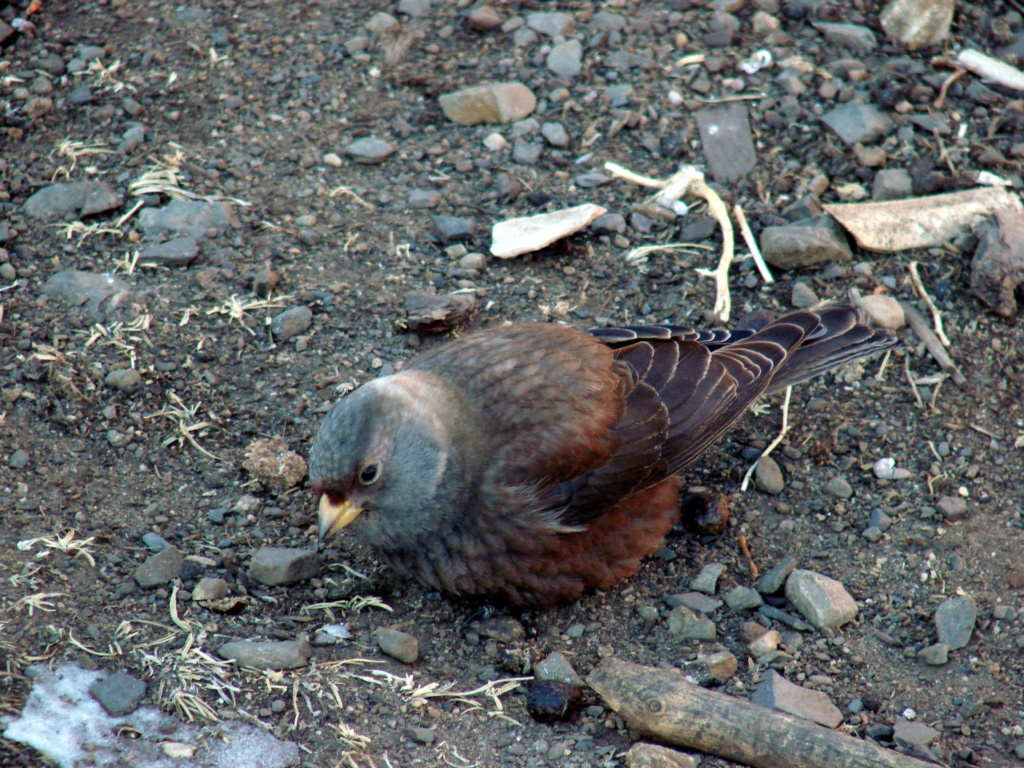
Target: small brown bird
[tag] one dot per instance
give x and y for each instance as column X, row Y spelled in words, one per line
column 531, row 462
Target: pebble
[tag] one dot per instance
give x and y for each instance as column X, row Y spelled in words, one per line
column 369, row 150
column 853, row 36
column 473, row 260
column 955, row 619
column 526, row 152
column 415, row 8
column 451, row 228
column 557, row 667
column 550, row 701
column 839, row 487
column 179, row 252
column 155, row 542
column 275, row 566
column 332, row 634
column 952, row 508
column 727, row 141
column 707, row 580
column 566, row 59
column 160, row 568
column 81, row 95
column 645, row 755
column 382, row 24
column 269, row 461
column 18, row 459
column 267, row 654
column 102, row 293
column 119, row 694
column 494, row 103
column 555, row 134
column 291, row 323
column 774, row 579
column 526, row 234
column 802, row 296
column 209, row 588
column 424, row 198
column 822, row 601
column 883, row 311
column 483, row 18
column 934, row 655
column 743, row 599
column 495, row 142
column 37, row 107
column 397, row 644
column 614, row 223
column 909, row 734
column 420, row 734
column 685, row 624
column 132, row 139
column 892, row 184
column 917, row 23
column 504, row 629
column 858, row 123
column 712, row 668
column 766, row 643
column 75, row 200
column 550, row 23
column 186, row 217
column 817, row 240
column 776, row 692
column 333, row 159
column 695, row 601
column 768, row 476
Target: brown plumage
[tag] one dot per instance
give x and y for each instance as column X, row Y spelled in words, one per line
column 532, row 462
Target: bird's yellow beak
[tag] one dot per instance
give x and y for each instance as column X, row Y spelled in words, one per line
column 333, row 517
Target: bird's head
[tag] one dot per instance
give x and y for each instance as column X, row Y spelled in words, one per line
column 379, row 458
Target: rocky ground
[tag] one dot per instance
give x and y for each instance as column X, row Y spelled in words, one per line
column 151, row 351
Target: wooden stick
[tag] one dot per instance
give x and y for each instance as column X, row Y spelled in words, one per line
column 670, row 708
column 751, row 241
column 932, row 342
column 916, row 282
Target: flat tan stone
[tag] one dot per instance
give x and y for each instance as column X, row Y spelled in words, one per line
column 531, row 233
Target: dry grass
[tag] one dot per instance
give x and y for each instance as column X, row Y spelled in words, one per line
column 187, row 424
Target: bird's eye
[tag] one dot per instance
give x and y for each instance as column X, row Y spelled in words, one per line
column 369, row 474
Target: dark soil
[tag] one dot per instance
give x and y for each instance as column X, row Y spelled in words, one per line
column 254, row 95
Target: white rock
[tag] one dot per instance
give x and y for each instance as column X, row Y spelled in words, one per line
column 531, row 233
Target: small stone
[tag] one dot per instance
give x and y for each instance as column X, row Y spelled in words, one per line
column 369, row 150
column 292, row 322
column 420, row 734
column 818, row 240
column 424, row 198
column 614, row 223
column 934, row 655
column 550, row 701
column 19, row 459
column 853, row 36
column 504, row 629
column 766, row 643
column 81, row 95
column 333, row 159
column 75, row 200
column 644, row 755
column 398, row 645
column 952, row 508
column 555, row 134
column 102, row 294
column 483, row 18
column 839, row 487
column 160, row 568
column 743, row 599
column 119, row 694
column 695, row 601
column 557, row 667
column 892, row 184
column 495, row 142
column 187, row 217
column 526, row 234
column 883, row 311
column 155, row 542
column 685, row 624
column 36, row 107
column 269, row 461
column 382, row 24
column 526, row 152
column 707, row 579
column 917, row 23
column 802, row 296
column 822, row 601
column 452, row 228
column 858, row 123
column 727, row 141
column 774, row 579
column 768, row 476
column 276, row 566
column 550, row 23
column 566, row 59
column 179, row 252
column 955, row 619
column 210, row 589
column 267, row 654
column 415, row 8
column 494, row 103
column 775, row 692
column 910, row 734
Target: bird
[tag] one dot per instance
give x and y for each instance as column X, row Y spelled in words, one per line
column 531, row 463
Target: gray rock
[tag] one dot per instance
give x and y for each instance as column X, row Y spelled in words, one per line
column 557, row 667
column 839, row 487
column 76, row 199
column 768, row 476
column 179, row 252
column 267, row 654
column 494, row 103
column 822, row 601
column 917, row 23
column 81, row 95
column 186, row 217
column 686, row 625
column 997, row 270
column 483, row 18
column 952, row 508
column 776, row 692
column 415, row 8
column 883, row 311
column 119, row 694
column 123, row 379
column 766, row 643
column 382, row 23
column 802, row 296
column 711, row 668
column 19, row 459
column 398, row 645
column 291, row 322
column 591, row 180
column 934, row 655
column 695, row 601
column 646, row 755
column 910, row 734
column 132, row 139
column 608, row 21
column 872, row 533
column 954, row 620
column 858, row 123
column 892, row 184
column 550, row 23
column 283, row 565
column 818, row 240
column 332, row 634
column 743, row 599
column 555, row 134
column 853, row 36
column 452, row 228
column 707, row 579
column 369, row 150
column 777, row 614
column 103, row 293
column 879, row 520
column 420, row 734
column 160, row 568
column 774, row 579
column 566, row 59
column 609, row 222
column 526, row 152
column 424, row 198
column 37, row 107
column 210, row 588
column 155, row 542
column 727, row 141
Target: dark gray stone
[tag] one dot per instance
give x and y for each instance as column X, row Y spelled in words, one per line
column 954, row 620
column 76, row 199
column 179, row 252
column 119, row 694
column 186, row 217
column 451, row 228
column 291, row 322
column 892, row 184
column 103, row 293
column 855, row 123
column 818, row 240
column 727, row 141
column 283, row 565
column 743, row 599
column 160, row 568
column 768, row 476
column 774, row 579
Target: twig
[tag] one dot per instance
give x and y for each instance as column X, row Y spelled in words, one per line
column 913, row 384
column 915, row 280
column 940, row 102
column 933, row 344
column 774, row 443
column 751, row 241
column 741, row 540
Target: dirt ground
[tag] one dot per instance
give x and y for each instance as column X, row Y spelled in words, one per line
column 246, row 100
